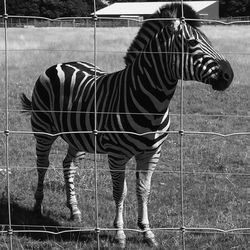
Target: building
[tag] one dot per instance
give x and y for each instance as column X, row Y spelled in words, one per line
column 206, row 9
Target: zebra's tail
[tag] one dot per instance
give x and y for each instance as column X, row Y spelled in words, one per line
column 26, row 104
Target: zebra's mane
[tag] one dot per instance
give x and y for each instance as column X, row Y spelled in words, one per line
column 152, row 27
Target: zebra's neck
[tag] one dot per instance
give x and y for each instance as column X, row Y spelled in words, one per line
column 151, row 83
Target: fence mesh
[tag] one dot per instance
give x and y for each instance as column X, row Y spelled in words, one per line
column 95, row 182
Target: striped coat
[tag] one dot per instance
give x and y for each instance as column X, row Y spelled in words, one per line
column 132, row 107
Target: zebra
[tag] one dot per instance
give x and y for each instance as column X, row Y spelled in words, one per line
column 132, row 104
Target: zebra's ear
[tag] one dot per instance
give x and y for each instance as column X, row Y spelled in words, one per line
column 174, row 26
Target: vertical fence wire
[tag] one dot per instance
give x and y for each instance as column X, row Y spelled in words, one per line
column 95, row 132
column 6, row 129
column 181, row 133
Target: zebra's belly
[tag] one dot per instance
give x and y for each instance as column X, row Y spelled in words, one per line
column 130, row 145
column 120, row 140
column 124, row 144
column 85, row 142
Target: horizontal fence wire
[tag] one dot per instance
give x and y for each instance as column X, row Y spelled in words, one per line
column 182, row 132
column 10, row 228
column 108, row 51
column 202, row 230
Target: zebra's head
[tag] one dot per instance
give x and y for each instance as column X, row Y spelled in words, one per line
column 201, row 62
column 182, row 47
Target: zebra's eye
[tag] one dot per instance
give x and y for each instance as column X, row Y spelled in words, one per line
column 193, row 42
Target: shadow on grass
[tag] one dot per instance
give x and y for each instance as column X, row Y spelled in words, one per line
column 41, row 228
column 26, row 222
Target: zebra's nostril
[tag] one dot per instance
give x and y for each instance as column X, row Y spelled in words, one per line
column 226, row 76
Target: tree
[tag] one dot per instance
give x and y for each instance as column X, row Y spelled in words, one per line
column 62, row 8
column 47, row 8
column 20, row 7
column 248, row 9
column 234, row 8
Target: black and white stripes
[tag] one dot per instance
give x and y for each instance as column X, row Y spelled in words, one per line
column 132, row 106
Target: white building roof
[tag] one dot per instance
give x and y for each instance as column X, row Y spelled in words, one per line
column 146, row 8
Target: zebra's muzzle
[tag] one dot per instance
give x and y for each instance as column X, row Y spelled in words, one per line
column 224, row 78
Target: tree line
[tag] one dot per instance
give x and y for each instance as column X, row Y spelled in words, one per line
column 50, row 8
column 70, row 8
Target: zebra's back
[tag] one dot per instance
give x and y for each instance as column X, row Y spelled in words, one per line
column 63, row 101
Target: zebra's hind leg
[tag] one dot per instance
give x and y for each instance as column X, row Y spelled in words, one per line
column 146, row 163
column 119, row 193
column 70, row 163
column 43, row 147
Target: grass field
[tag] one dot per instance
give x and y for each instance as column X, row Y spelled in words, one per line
column 217, row 169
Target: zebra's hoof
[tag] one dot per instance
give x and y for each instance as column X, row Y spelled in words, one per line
column 37, row 213
column 149, row 238
column 120, row 239
column 75, row 214
column 76, row 217
column 151, row 242
column 121, row 243
column 38, row 210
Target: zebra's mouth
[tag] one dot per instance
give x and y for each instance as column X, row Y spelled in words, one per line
column 218, row 84
column 224, row 77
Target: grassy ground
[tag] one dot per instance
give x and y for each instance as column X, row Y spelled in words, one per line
column 216, row 179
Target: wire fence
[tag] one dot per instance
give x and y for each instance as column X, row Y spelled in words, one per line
column 76, row 22
column 182, row 227
column 15, row 21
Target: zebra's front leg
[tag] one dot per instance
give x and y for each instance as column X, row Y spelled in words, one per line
column 145, row 167
column 119, row 195
column 70, row 163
